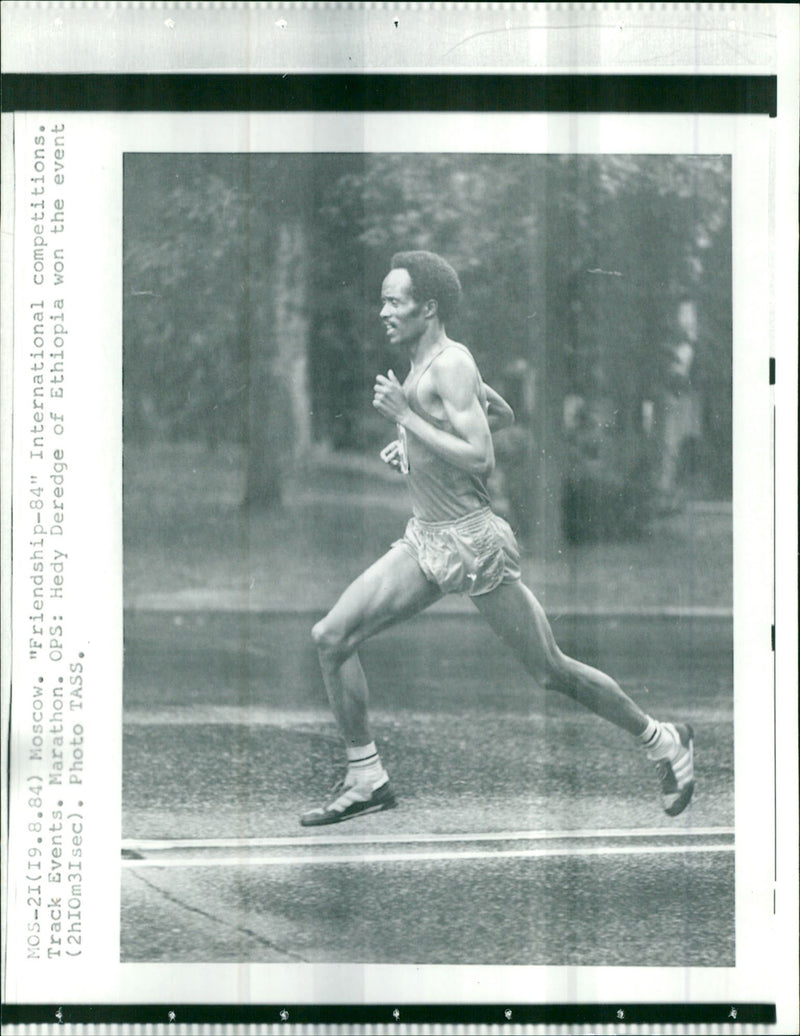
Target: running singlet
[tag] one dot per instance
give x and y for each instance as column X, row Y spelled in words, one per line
column 440, row 491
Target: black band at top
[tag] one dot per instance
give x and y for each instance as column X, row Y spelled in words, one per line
column 678, row 94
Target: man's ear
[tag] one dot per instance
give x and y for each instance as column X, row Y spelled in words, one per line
column 430, row 308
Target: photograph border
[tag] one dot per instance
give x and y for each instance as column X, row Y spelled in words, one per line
column 759, row 95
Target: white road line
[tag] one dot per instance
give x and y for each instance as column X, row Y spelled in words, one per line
column 156, row 845
column 194, row 602
column 309, row 723
column 443, row 855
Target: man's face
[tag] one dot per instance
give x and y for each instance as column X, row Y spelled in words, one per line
column 402, row 316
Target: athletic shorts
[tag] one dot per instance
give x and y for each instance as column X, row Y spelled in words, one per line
column 471, row 555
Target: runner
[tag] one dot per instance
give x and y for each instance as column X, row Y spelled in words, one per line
column 454, row 543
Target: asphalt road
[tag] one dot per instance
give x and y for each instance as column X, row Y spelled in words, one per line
column 527, row 832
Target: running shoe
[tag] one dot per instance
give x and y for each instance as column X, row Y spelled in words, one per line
column 349, row 802
column 676, row 774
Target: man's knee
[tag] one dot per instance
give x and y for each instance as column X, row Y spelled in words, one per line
column 556, row 669
column 330, row 641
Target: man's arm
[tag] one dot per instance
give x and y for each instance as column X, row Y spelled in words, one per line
column 499, row 413
column 455, row 381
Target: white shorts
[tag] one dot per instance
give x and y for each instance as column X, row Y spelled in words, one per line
column 471, row 555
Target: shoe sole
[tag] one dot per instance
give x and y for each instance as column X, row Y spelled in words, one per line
column 686, row 734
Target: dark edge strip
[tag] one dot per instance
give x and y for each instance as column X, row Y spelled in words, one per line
column 691, row 94
column 406, row 1014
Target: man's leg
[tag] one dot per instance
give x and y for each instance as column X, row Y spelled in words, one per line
column 392, row 589
column 519, row 620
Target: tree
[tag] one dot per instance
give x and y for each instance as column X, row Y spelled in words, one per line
column 278, row 411
column 216, row 325
column 252, row 284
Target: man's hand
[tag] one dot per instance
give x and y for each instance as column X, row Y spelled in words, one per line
column 394, row 456
column 389, row 399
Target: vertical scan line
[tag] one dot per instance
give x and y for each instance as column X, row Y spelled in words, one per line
column 774, row 619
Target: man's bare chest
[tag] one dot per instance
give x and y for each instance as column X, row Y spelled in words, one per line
column 421, row 390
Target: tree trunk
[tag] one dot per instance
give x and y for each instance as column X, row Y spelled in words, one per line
column 279, row 411
column 290, row 365
column 547, row 534
column 548, row 418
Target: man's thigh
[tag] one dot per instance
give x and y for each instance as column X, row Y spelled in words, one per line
column 392, row 589
column 517, row 617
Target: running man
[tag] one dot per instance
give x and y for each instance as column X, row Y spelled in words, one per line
column 454, row 543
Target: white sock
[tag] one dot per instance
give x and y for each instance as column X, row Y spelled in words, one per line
column 364, row 766
column 657, row 739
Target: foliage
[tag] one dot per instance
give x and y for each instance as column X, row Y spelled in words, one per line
column 574, row 264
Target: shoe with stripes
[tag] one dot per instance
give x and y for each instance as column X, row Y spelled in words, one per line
column 349, row 802
column 676, row 773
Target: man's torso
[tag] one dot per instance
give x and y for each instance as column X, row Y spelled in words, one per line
column 440, row 491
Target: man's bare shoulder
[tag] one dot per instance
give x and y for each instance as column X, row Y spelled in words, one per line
column 455, row 374
column 455, row 360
